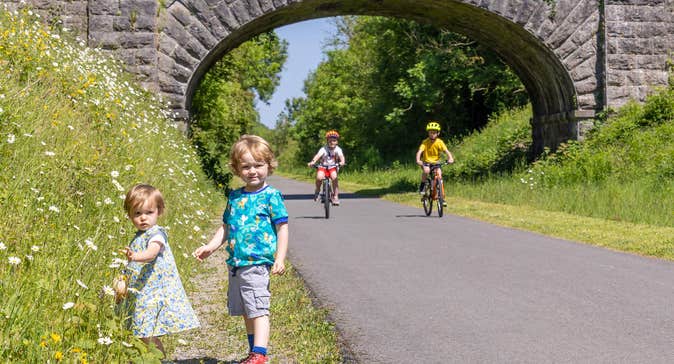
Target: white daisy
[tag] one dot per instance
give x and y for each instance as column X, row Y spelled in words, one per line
column 68, row 305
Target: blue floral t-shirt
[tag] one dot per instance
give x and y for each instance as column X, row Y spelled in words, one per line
column 251, row 218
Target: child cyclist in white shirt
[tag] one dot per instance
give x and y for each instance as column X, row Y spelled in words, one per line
column 330, row 156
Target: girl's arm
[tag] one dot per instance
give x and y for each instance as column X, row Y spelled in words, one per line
column 145, row 256
column 318, row 155
column 279, row 266
column 216, row 242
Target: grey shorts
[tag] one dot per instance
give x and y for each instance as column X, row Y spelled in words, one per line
column 248, row 291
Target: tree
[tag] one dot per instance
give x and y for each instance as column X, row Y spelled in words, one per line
column 224, row 104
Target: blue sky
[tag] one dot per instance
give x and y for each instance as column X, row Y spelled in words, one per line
column 305, row 44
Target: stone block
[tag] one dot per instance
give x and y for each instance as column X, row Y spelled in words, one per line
column 104, row 7
column 102, row 23
column 621, row 62
column 240, row 12
column 651, row 62
column 226, row 18
column 196, row 49
column 181, row 14
column 266, row 6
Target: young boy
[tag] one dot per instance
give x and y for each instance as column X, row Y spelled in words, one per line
column 330, row 155
column 429, row 152
column 255, row 231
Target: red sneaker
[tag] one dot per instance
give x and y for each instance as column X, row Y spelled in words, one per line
column 255, row 358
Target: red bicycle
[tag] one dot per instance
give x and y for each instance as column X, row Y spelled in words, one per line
column 434, row 190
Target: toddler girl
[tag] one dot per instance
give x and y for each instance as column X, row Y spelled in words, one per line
column 158, row 300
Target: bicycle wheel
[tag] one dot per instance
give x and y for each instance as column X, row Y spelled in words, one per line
column 427, row 199
column 327, row 200
column 441, row 195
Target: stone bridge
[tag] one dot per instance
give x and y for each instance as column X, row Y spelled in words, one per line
column 575, row 57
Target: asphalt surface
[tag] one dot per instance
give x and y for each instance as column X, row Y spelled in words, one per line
column 404, row 288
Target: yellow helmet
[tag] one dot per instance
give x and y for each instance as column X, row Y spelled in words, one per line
column 433, row 125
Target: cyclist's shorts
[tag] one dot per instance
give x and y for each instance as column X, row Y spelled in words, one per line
column 328, row 171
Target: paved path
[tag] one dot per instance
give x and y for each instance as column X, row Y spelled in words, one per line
column 406, row 288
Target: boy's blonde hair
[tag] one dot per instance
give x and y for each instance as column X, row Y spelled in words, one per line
column 139, row 194
column 257, row 147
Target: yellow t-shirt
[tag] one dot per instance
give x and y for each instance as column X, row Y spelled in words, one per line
column 431, row 150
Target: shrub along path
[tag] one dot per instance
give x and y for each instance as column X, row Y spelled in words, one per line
column 404, row 287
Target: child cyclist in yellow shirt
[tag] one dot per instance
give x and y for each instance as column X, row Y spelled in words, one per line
column 429, row 152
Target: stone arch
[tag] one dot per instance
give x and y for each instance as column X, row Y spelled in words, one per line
column 575, row 57
column 542, row 48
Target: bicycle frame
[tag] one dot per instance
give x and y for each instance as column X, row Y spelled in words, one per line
column 326, row 192
column 435, row 189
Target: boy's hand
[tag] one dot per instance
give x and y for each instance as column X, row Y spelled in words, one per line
column 202, row 253
column 278, row 268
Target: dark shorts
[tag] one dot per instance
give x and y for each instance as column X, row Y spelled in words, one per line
column 248, row 291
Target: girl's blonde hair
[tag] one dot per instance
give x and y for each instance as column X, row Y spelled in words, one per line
column 257, row 147
column 139, row 194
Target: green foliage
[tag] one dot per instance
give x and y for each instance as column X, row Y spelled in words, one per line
column 636, row 143
column 385, row 78
column 501, row 147
column 224, row 104
column 75, row 133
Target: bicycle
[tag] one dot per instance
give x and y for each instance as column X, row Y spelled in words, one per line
column 326, row 193
column 434, row 189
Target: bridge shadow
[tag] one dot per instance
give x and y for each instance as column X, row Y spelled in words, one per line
column 342, row 196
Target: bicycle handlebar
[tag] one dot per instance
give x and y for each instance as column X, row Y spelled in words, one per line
column 435, row 164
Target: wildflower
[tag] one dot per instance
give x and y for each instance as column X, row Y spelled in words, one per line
column 81, row 284
column 114, row 174
column 14, row 260
column 108, row 290
column 2, row 246
column 1, row 110
column 105, row 340
column 118, row 186
column 116, row 219
column 49, row 153
column 58, row 355
column 11, row 138
column 68, row 305
column 55, row 337
column 127, row 344
column 196, row 228
column 182, row 342
column 128, row 167
column 108, row 201
column 29, row 257
column 35, row 248
column 54, row 208
column 90, row 244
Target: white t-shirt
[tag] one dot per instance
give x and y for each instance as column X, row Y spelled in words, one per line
column 330, row 157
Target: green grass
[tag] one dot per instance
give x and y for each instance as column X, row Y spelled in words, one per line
column 75, row 133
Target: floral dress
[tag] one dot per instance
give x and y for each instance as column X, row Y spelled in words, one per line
column 158, row 302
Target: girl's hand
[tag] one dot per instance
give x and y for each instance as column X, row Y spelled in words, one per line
column 129, row 253
column 202, row 253
column 278, row 268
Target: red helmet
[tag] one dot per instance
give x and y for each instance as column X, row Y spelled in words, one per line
column 331, row 134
